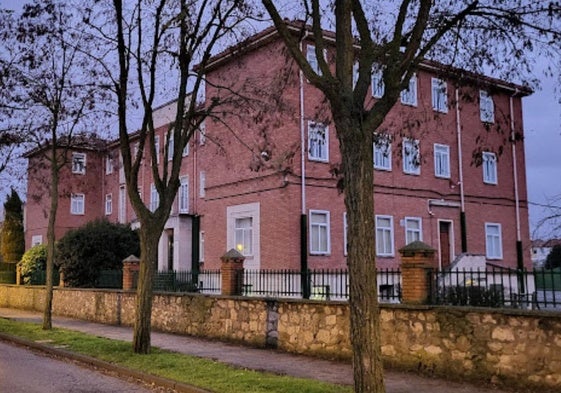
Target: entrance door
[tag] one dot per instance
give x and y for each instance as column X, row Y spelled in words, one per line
column 444, row 236
column 170, row 250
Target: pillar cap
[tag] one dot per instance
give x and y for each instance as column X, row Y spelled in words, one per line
column 131, row 259
column 232, row 254
column 415, row 248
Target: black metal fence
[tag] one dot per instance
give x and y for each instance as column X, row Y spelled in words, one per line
column 332, row 284
column 497, row 287
column 204, row 281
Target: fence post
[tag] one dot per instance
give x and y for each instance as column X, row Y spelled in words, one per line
column 231, row 271
column 417, row 258
column 131, row 264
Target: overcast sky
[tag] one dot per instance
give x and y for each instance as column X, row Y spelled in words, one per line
column 542, row 125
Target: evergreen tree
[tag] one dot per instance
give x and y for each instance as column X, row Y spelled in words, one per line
column 13, row 241
column 554, row 258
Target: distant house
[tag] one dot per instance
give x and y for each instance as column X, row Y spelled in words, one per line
column 541, row 249
column 448, row 166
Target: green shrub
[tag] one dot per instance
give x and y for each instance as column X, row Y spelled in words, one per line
column 99, row 245
column 33, row 261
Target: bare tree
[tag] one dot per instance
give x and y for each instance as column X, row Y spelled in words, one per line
column 155, row 42
column 500, row 34
column 51, row 96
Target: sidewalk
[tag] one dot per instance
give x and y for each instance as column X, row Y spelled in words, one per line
column 258, row 359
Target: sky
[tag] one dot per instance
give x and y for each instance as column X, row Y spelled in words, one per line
column 542, row 125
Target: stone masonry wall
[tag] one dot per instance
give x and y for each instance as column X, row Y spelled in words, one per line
column 521, row 348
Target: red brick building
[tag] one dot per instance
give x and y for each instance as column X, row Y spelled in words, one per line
column 449, row 170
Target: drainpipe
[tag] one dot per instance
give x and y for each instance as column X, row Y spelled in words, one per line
column 463, row 225
column 519, row 253
column 303, row 217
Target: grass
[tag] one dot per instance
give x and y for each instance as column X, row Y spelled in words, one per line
column 203, row 373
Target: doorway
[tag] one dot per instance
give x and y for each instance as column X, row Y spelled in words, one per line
column 445, row 242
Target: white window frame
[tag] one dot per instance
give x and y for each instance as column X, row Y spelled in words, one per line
column 318, row 144
column 316, row 229
column 410, row 232
column 377, row 81
column 157, row 148
column 202, row 135
column 439, row 90
column 201, row 246
column 79, row 163
column 382, row 153
column 154, row 198
column 77, row 204
column 171, row 141
column 486, row 107
column 202, row 184
column 493, row 241
column 489, row 164
column 312, row 59
column 381, row 233
column 108, row 204
column 36, row 240
column 442, row 161
column 251, row 210
column 409, row 95
column 410, row 166
column 183, row 194
column 243, row 236
column 108, row 164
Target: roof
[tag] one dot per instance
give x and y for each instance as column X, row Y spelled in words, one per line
column 546, row 243
column 298, row 27
column 76, row 142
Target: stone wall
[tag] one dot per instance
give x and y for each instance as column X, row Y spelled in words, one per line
column 518, row 348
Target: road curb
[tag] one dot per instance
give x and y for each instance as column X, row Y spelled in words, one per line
column 121, row 371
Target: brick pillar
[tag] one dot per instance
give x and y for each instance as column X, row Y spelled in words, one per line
column 131, row 265
column 231, row 271
column 417, row 260
column 18, row 274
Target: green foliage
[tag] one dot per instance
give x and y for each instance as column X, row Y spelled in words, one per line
column 33, row 261
column 13, row 241
column 99, row 245
column 554, row 258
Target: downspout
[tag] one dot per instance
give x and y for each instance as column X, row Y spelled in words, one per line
column 463, row 224
column 519, row 253
column 303, row 217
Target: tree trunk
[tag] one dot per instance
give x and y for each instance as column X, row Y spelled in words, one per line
column 356, row 149
column 149, row 239
column 47, row 312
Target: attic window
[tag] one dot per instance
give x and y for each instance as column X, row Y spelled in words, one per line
column 79, row 163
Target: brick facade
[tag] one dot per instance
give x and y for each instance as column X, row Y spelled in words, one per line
column 259, row 183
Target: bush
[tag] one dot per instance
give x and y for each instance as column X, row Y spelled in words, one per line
column 33, row 261
column 99, row 245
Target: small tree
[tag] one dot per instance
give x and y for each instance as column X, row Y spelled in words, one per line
column 34, row 260
column 13, row 241
column 99, row 245
column 553, row 259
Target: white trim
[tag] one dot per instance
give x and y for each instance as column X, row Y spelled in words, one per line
column 385, row 230
column 439, row 90
column 489, row 164
column 486, row 107
column 78, row 163
column 315, row 144
column 183, row 195
column 248, row 210
column 383, row 147
column 77, row 204
column 493, row 241
column 108, row 204
column 409, row 95
column 411, row 167
column 418, row 230
column 442, row 153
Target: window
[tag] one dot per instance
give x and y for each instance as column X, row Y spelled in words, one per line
column 36, row 240
column 79, row 163
column 154, row 198
column 409, row 95
column 170, row 146
column 489, row 168
column 122, row 204
column 202, row 184
column 411, row 157
column 382, row 152
column 486, row 107
column 157, row 147
column 442, row 160
column 201, row 246
column 493, row 241
column 77, row 204
column 413, row 229
column 108, row 204
column 318, row 142
column 184, row 194
column 312, row 58
column 439, row 95
column 108, row 165
column 345, row 237
column 202, row 135
column 243, row 235
column 384, row 236
column 319, row 232
column 378, row 87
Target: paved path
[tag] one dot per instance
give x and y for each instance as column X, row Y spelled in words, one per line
column 260, row 359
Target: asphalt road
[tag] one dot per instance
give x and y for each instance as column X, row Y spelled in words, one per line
column 24, row 371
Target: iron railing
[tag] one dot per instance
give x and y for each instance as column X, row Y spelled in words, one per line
column 332, row 284
column 204, row 281
column 497, row 287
